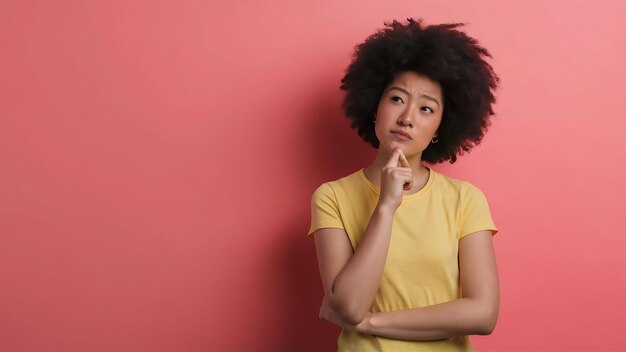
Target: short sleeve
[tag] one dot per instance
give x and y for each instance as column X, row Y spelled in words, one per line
column 324, row 210
column 475, row 214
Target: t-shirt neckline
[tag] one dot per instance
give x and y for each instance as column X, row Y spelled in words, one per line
column 429, row 182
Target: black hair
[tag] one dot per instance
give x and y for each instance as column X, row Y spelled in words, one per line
column 443, row 54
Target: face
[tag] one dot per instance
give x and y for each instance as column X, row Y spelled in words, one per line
column 409, row 113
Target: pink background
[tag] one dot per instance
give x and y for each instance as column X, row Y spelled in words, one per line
column 158, row 158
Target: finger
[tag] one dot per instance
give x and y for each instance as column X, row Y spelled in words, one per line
column 403, row 177
column 403, row 162
column 402, row 172
column 407, row 181
column 407, row 184
column 393, row 160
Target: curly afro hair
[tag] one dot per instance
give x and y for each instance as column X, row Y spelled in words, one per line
column 443, row 54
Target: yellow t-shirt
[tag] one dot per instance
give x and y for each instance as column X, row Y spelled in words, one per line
column 422, row 262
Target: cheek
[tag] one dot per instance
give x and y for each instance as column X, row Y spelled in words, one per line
column 378, row 132
column 432, row 125
column 381, row 120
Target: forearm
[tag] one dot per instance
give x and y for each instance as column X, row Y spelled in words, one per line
column 356, row 285
column 460, row 317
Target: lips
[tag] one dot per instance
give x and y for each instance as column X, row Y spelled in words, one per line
column 401, row 134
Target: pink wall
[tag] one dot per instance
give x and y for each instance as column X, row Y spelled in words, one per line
column 158, row 159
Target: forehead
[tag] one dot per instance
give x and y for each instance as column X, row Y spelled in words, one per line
column 416, row 83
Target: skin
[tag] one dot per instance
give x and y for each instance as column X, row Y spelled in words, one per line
column 412, row 103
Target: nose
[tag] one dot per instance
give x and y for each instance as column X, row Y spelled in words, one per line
column 405, row 119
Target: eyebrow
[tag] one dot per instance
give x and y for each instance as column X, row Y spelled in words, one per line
column 421, row 95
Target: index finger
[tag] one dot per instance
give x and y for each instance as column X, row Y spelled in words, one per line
column 393, row 161
column 403, row 162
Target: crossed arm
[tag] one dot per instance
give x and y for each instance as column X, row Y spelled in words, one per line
column 351, row 281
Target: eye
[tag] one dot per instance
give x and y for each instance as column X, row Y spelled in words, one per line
column 427, row 109
column 397, row 99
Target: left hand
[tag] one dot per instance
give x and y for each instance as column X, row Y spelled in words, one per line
column 328, row 313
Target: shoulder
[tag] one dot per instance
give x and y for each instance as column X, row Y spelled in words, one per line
column 453, row 185
column 331, row 188
column 327, row 202
column 473, row 208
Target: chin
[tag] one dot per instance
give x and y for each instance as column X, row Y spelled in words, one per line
column 409, row 153
column 393, row 145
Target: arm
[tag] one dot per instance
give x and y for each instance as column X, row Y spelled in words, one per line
column 351, row 280
column 475, row 313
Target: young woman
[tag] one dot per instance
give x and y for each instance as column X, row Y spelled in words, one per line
column 405, row 253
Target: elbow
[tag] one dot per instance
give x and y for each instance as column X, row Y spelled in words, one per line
column 353, row 316
column 486, row 328
column 352, row 319
column 350, row 313
column 487, row 321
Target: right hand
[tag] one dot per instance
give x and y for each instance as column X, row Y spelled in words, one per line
column 395, row 178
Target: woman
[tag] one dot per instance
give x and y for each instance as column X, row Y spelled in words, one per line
column 405, row 253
